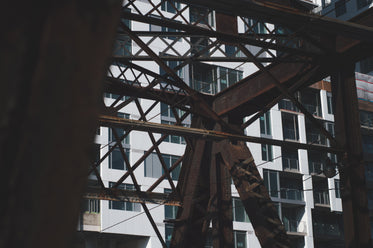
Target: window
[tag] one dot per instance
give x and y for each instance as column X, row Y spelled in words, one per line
column 172, row 65
column 340, row 7
column 168, row 234
column 213, row 79
column 267, row 154
column 290, row 126
column 227, row 77
column 170, row 212
column 311, row 101
column 201, row 15
column 170, row 6
column 168, row 117
column 204, row 78
column 126, row 206
column 330, row 103
column 116, row 160
column 290, row 159
column 120, row 132
column 233, row 51
column 337, row 187
column 168, row 29
column 288, row 105
column 153, row 166
column 255, row 26
column 265, row 123
column 367, row 144
column 366, row 118
column 366, row 65
column 122, row 45
column 239, row 213
column 170, row 160
column 314, row 135
column 199, row 43
column 239, row 239
column 271, row 181
column 91, row 206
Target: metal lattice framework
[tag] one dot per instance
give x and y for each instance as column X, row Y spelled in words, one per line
column 288, row 54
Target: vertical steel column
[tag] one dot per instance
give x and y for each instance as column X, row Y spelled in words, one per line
column 254, row 195
column 194, row 188
column 220, row 204
column 347, row 131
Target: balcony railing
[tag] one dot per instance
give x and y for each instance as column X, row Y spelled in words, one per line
column 92, row 206
column 290, row 164
column 292, row 194
column 324, row 229
column 315, row 138
column 321, row 197
column 290, row 133
column 295, row 226
column 288, row 105
column 313, row 109
column 316, row 167
column 205, row 87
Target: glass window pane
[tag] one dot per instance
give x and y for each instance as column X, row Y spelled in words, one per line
column 117, row 161
column 273, row 182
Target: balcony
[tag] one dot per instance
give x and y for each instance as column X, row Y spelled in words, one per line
column 292, row 194
column 314, row 137
column 295, row 226
column 313, row 109
column 204, row 87
column 316, row 168
column 291, row 164
column 321, row 197
column 288, row 105
column 290, row 134
column 326, row 229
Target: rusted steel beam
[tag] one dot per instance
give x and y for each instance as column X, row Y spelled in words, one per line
column 254, row 86
column 254, row 195
column 130, row 196
column 188, row 227
column 291, row 97
column 347, row 130
column 220, row 203
column 208, row 59
column 223, row 37
column 179, row 100
column 204, row 133
column 292, row 88
column 273, row 13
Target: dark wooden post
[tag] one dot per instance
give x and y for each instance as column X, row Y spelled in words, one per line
column 53, row 59
column 352, row 172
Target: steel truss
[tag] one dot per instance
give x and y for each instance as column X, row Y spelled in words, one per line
column 296, row 49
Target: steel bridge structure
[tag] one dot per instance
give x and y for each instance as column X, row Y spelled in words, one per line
column 311, row 48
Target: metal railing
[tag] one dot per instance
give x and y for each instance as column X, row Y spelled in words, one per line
column 288, row 105
column 316, row 138
column 292, row 194
column 316, row 167
column 313, row 109
column 290, row 164
column 91, row 206
column 290, row 133
column 321, row 197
